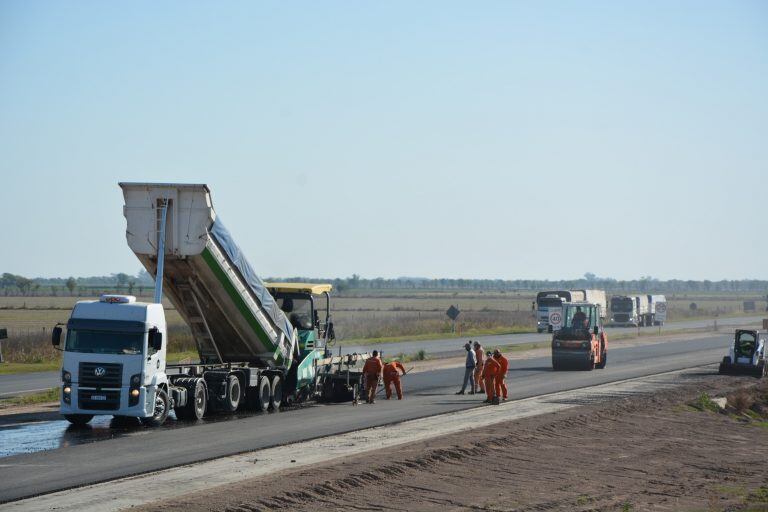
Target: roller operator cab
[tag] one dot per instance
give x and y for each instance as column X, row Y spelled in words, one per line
column 581, row 342
column 113, row 360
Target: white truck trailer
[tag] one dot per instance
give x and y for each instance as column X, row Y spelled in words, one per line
column 657, row 309
column 597, row 297
column 260, row 345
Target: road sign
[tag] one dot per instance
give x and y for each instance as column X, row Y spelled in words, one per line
column 661, row 307
column 556, row 320
column 453, row 312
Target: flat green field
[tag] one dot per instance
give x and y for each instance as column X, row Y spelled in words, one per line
column 390, row 313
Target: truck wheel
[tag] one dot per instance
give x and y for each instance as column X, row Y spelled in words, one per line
column 262, row 391
column 276, row 394
column 78, row 419
column 234, row 393
column 591, row 362
column 555, row 365
column 161, row 410
column 197, row 401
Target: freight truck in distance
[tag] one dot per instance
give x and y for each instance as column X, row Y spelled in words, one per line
column 549, row 302
column 260, row 345
column 638, row 310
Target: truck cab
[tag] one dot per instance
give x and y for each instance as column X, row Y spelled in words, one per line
column 113, row 360
column 624, row 311
column 308, row 308
column 581, row 342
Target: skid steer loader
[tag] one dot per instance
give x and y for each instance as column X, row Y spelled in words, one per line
column 746, row 355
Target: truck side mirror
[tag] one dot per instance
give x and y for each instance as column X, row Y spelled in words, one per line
column 155, row 339
column 315, row 318
column 331, row 335
column 56, row 336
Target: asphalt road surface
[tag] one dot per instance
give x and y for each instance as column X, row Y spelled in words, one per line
column 72, row 457
column 11, row 385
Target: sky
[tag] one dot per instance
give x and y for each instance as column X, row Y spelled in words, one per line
column 435, row 138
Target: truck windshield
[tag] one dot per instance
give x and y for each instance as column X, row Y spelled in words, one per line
column 621, row 305
column 104, row 342
column 548, row 302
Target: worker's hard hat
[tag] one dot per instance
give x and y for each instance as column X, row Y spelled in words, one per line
column 497, row 352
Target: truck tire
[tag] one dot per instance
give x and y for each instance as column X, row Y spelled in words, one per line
column 78, row 419
column 161, row 410
column 590, row 362
column 197, row 401
column 260, row 395
column 234, row 393
column 276, row 392
column 555, row 365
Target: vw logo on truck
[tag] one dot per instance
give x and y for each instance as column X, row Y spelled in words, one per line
column 99, row 371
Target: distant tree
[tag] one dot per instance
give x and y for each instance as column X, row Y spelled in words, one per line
column 54, row 290
column 71, row 284
column 23, row 284
column 131, row 284
column 121, row 279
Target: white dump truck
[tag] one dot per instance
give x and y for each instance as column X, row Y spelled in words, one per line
column 260, row 345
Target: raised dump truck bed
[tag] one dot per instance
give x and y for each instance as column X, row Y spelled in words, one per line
column 231, row 313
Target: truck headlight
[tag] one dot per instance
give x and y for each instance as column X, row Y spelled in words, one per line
column 66, row 394
column 134, row 393
column 66, row 376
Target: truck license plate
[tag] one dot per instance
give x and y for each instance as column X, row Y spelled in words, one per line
column 98, row 397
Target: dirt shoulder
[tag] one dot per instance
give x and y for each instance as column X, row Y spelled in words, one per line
column 670, row 451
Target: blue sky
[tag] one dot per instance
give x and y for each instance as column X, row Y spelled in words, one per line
column 439, row 139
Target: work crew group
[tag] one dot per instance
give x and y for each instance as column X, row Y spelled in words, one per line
column 485, row 372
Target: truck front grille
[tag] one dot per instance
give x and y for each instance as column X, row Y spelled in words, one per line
column 101, row 375
column 621, row 317
column 98, row 399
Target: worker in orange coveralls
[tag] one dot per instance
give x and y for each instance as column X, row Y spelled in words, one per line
column 372, row 372
column 490, row 370
column 392, row 377
column 480, row 355
column 501, row 378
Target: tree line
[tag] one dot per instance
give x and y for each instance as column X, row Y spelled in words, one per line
column 16, row 284
column 589, row 281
